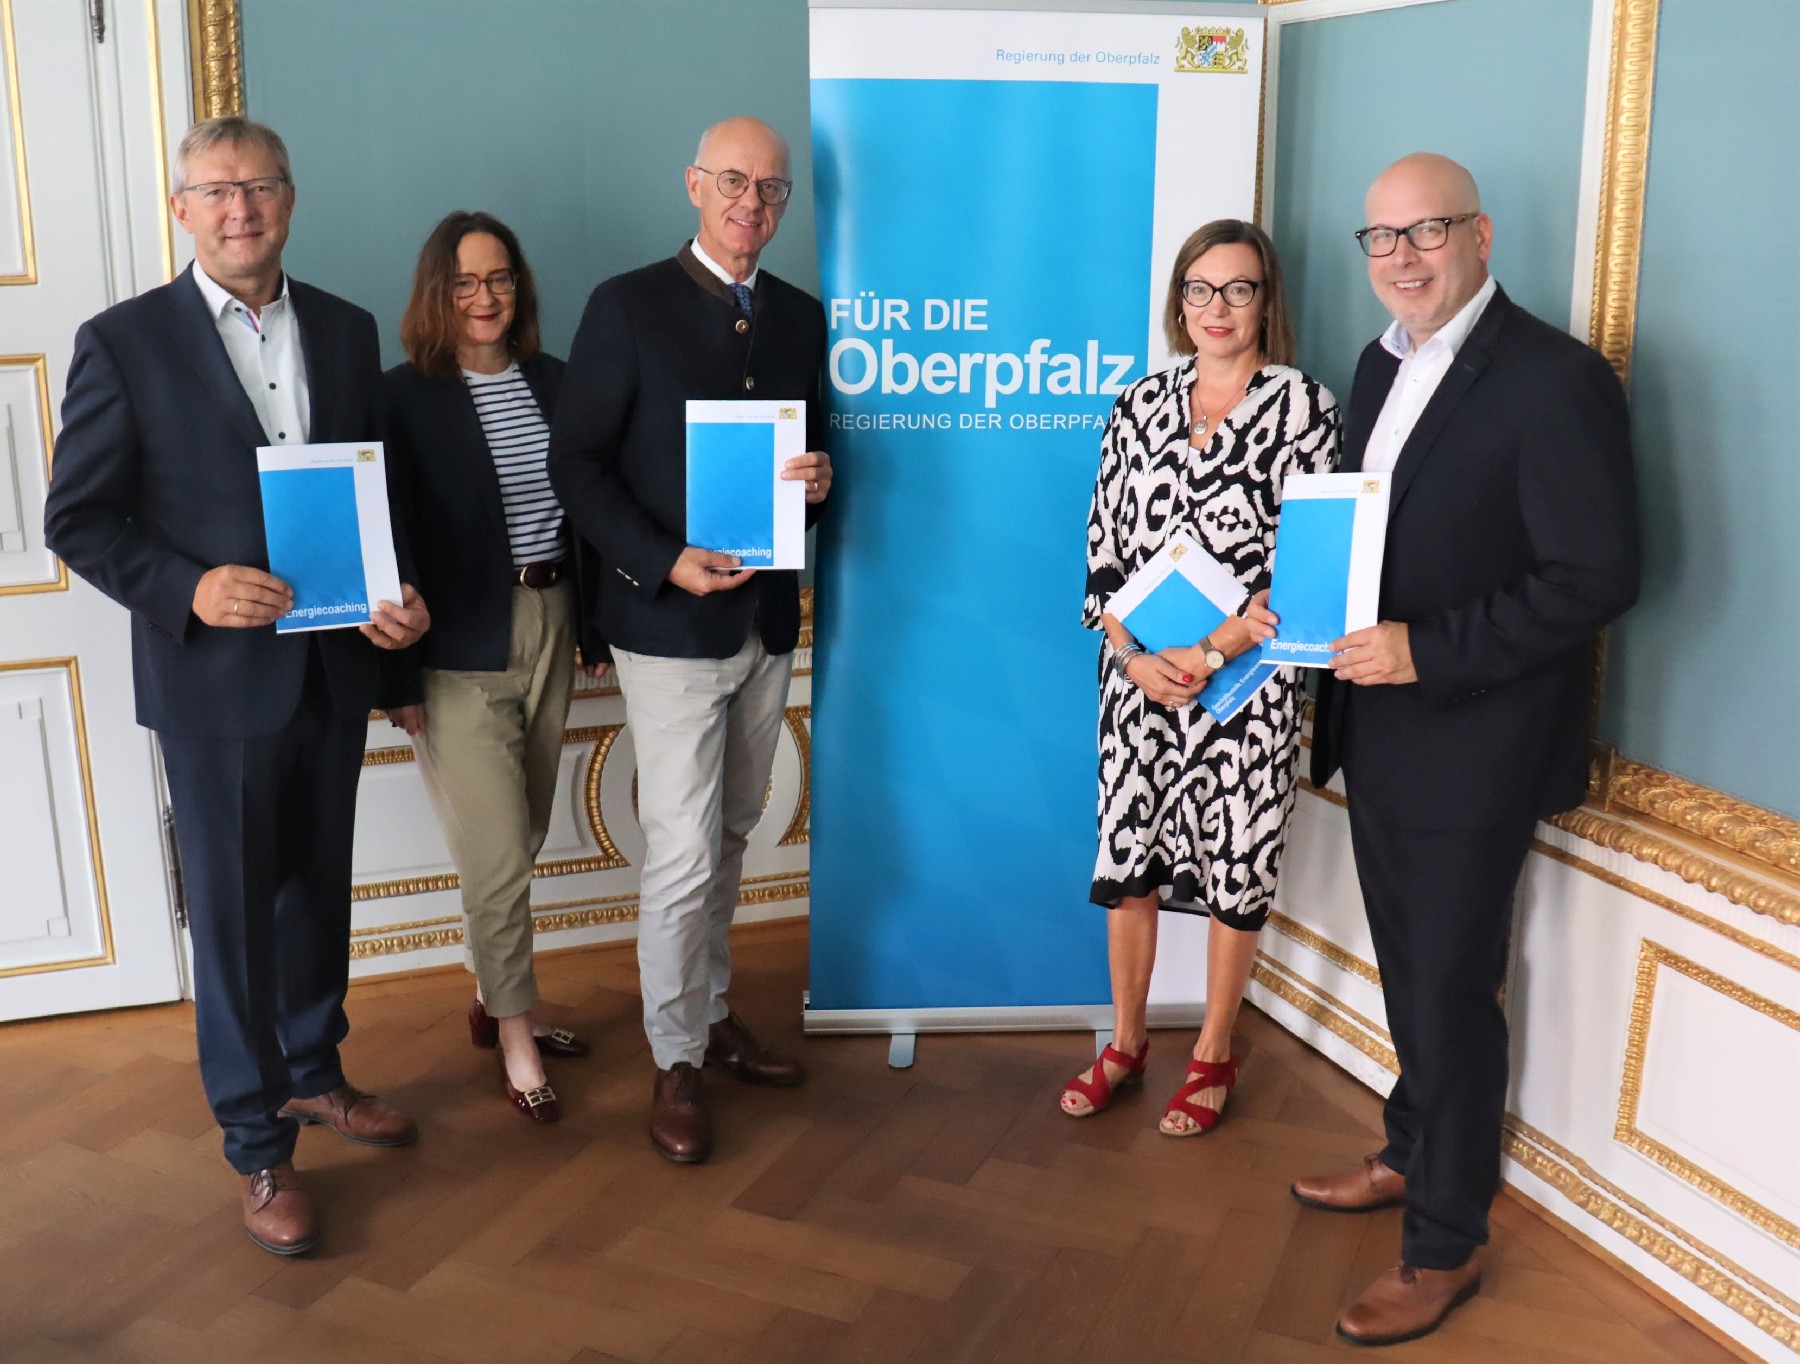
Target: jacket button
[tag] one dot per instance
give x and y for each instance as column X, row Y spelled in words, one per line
column 749, row 382
column 742, row 326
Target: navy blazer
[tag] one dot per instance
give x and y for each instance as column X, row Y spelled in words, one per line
column 456, row 521
column 649, row 341
column 1512, row 541
column 155, row 483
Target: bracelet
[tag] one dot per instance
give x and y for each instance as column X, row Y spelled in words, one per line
column 1123, row 655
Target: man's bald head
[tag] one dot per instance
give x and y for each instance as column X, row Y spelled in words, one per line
column 1424, row 289
column 731, row 133
column 1426, row 172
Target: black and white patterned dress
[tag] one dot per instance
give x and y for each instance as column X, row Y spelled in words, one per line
column 1190, row 809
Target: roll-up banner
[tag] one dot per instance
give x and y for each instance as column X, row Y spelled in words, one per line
column 1000, row 196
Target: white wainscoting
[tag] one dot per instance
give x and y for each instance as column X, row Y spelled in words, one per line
column 1655, row 1100
column 53, row 911
column 407, row 911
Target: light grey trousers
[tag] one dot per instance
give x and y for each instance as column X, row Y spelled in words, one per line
column 705, row 731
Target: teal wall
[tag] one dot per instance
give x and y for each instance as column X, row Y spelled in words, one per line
column 1701, row 675
column 571, row 120
column 1499, row 85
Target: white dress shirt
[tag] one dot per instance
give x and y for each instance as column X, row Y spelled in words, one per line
column 1421, row 371
column 723, row 274
column 265, row 351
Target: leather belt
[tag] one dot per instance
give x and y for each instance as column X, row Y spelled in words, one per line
column 544, row 573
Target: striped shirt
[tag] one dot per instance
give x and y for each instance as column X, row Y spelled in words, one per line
column 519, row 440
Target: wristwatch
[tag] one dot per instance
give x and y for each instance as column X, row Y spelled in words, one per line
column 1214, row 659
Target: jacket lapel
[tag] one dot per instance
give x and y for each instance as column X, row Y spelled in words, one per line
column 470, row 441
column 1369, row 390
column 315, row 348
column 205, row 351
column 1470, row 361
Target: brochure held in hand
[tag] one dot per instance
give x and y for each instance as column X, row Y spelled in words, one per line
column 737, row 501
column 325, row 517
column 1180, row 596
column 1327, row 573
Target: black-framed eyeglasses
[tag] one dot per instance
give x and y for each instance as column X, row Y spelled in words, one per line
column 1237, row 292
column 733, row 183
column 1428, row 234
column 265, row 189
column 498, row 282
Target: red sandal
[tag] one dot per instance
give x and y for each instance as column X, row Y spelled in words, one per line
column 1202, row 1076
column 1100, row 1091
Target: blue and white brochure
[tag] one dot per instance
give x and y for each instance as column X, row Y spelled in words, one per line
column 1327, row 573
column 737, row 501
column 1180, row 596
column 325, row 515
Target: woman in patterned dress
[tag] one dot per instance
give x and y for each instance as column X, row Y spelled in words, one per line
column 1193, row 813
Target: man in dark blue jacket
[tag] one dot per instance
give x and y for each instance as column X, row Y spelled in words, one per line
column 155, row 500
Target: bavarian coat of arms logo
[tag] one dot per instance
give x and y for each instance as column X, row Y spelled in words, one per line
column 1225, row 50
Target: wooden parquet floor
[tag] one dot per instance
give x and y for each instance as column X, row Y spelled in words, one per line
column 944, row 1213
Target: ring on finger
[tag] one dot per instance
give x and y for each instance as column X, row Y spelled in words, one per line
column 234, row 606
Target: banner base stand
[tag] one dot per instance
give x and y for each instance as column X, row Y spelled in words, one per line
column 907, row 1023
column 900, row 1050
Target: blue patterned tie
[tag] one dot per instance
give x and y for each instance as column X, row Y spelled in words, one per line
column 741, row 292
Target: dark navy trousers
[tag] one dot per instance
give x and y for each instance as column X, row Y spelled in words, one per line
column 264, row 827
column 1440, row 908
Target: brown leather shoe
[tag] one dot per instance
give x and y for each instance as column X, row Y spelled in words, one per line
column 680, row 1117
column 732, row 1045
column 1369, row 1186
column 277, row 1213
column 354, row 1116
column 1408, row 1302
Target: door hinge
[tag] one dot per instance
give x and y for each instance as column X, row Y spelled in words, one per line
column 97, row 18
column 172, row 854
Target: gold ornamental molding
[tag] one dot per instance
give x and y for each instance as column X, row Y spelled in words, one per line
column 1624, row 161
column 1675, row 907
column 1325, row 947
column 1652, row 958
column 1696, row 866
column 1319, row 1006
column 1761, row 1304
column 215, row 46
column 1748, row 830
column 40, row 367
column 78, row 712
column 799, row 828
column 602, row 737
column 425, row 934
column 16, row 112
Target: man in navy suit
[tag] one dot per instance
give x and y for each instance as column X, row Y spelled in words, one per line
column 1461, row 719
column 155, row 500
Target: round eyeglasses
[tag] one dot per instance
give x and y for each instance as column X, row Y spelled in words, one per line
column 732, row 185
column 498, row 282
column 1237, row 292
column 1428, row 234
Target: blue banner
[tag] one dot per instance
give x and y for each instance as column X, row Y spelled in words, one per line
column 988, row 187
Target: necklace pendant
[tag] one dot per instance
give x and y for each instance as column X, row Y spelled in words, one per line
column 1200, row 426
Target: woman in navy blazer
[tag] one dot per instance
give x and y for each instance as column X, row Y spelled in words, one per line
column 486, row 702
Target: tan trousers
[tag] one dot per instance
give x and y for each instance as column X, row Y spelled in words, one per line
column 705, row 731
column 489, row 753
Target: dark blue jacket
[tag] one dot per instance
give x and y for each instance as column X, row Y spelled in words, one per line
column 1512, row 542
column 456, row 521
column 155, row 482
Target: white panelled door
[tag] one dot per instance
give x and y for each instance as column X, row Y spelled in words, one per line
column 85, row 906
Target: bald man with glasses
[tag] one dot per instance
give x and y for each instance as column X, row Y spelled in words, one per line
column 703, row 647
column 1461, row 719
